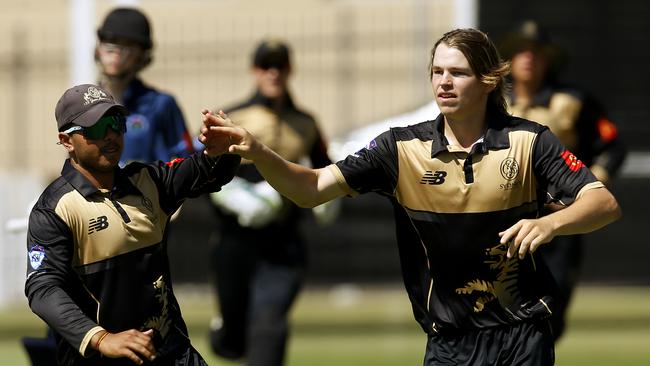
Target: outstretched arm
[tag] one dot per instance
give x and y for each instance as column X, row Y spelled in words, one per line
column 305, row 186
column 593, row 210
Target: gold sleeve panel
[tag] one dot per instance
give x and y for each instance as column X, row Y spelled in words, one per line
column 589, row 186
column 340, row 180
column 86, row 341
column 290, row 134
column 503, row 179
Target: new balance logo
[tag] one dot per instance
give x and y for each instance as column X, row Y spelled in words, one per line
column 433, row 178
column 97, row 224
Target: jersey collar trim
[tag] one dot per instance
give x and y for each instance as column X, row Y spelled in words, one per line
column 496, row 136
column 122, row 185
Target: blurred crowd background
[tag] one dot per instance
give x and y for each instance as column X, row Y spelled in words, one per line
column 355, row 62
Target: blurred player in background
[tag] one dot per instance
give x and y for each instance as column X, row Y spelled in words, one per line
column 156, row 128
column 471, row 185
column 580, row 123
column 260, row 256
column 98, row 271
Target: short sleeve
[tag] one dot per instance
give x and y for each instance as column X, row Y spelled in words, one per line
column 560, row 173
column 373, row 168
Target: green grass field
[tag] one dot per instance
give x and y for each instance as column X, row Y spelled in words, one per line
column 374, row 326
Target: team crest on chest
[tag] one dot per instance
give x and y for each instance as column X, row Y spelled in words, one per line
column 509, row 168
column 146, row 202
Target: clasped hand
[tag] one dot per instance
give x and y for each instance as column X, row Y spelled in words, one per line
column 220, row 136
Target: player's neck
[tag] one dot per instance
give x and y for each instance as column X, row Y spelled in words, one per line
column 463, row 135
column 465, row 131
column 101, row 180
column 116, row 85
column 524, row 91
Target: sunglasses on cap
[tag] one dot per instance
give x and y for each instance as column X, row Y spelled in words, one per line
column 98, row 130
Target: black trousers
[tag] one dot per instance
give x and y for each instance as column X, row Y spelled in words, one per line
column 523, row 344
column 255, row 293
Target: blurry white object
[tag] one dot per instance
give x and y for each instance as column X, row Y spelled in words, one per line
column 254, row 204
column 326, row 213
column 16, row 225
column 357, row 139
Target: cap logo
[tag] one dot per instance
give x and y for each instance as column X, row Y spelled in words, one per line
column 93, row 95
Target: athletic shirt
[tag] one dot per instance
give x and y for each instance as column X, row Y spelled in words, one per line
column 578, row 121
column 450, row 206
column 155, row 127
column 98, row 260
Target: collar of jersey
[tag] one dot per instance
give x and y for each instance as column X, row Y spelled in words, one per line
column 122, row 185
column 541, row 98
column 496, row 136
column 258, row 98
column 133, row 91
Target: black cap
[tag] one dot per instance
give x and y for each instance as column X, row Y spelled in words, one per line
column 83, row 105
column 530, row 33
column 271, row 53
column 127, row 23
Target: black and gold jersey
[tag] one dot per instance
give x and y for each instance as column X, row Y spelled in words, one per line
column 291, row 132
column 450, row 206
column 97, row 259
column 579, row 122
column 294, row 134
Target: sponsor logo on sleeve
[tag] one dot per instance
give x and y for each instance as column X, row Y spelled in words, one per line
column 36, row 256
column 371, row 145
column 572, row 161
column 174, row 162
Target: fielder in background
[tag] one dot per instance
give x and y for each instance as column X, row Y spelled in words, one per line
column 471, row 185
column 260, row 256
column 98, row 270
column 155, row 124
column 579, row 122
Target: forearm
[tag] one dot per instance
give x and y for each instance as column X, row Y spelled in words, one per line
column 58, row 310
column 593, row 210
column 294, row 181
column 305, row 186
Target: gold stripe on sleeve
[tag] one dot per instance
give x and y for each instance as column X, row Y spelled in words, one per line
column 340, row 179
column 589, row 186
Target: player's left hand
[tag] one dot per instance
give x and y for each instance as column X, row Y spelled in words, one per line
column 215, row 143
column 527, row 235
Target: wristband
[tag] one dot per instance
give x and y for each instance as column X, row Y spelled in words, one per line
column 100, row 340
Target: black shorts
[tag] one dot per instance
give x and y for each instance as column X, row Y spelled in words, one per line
column 529, row 344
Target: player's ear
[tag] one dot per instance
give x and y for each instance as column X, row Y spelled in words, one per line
column 64, row 140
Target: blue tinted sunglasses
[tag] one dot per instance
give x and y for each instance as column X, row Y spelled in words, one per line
column 98, row 130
